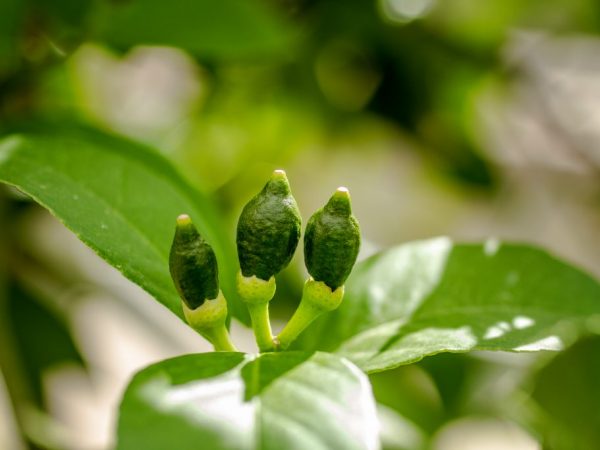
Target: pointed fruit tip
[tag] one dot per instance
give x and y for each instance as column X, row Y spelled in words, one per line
column 279, row 174
column 342, row 192
column 183, row 219
column 340, row 201
column 278, row 183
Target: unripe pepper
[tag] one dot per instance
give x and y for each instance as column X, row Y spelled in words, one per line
column 332, row 241
column 268, row 232
column 331, row 245
column 193, row 267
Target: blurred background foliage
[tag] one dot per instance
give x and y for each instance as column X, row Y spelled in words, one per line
column 456, row 117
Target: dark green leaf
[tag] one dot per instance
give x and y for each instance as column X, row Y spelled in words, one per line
column 410, row 392
column 315, row 402
column 568, row 395
column 221, row 29
column 12, row 13
column 433, row 296
column 121, row 199
column 42, row 338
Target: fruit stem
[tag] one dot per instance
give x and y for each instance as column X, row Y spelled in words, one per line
column 219, row 338
column 259, row 313
column 317, row 298
column 302, row 318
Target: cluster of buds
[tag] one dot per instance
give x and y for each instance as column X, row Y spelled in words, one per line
column 268, row 234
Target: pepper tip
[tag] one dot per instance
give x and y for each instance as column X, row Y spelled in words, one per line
column 184, row 219
column 279, row 174
column 342, row 193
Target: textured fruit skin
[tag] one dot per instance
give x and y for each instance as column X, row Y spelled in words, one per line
column 193, row 265
column 332, row 241
column 268, row 230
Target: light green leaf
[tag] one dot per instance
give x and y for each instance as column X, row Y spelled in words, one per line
column 121, row 199
column 223, row 29
column 434, row 296
column 231, row 401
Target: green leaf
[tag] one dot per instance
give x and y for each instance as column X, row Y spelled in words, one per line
column 567, row 394
column 299, row 401
column 411, row 392
column 223, row 29
column 121, row 199
column 434, row 296
column 41, row 338
column 12, row 13
column 270, row 366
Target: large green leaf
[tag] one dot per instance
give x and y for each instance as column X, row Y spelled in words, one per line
column 567, row 396
column 121, row 199
column 231, row 401
column 434, row 296
column 221, row 29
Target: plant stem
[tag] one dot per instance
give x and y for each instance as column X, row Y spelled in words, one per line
column 219, row 338
column 302, row 318
column 259, row 313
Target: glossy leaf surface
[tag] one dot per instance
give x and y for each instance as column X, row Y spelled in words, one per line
column 434, row 296
column 121, row 199
column 232, row 401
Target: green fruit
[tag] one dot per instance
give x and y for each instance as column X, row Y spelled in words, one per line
column 268, row 230
column 193, row 265
column 332, row 241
